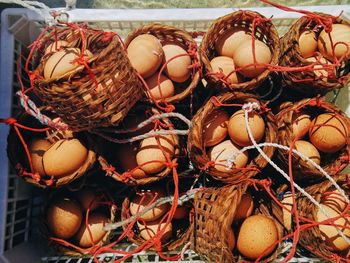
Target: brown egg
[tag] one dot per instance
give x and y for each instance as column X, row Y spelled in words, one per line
column 318, row 69
column 144, row 198
column 244, row 57
column 334, row 200
column 308, row 150
column 88, row 198
column 244, row 208
column 96, row 223
column 126, row 155
column 222, row 155
column 150, row 157
column 37, row 148
column 329, row 137
column 226, row 66
column 55, row 46
column 300, row 124
column 64, row 157
column 145, row 54
column 150, row 229
column 181, row 212
column 339, row 33
column 178, row 69
column 231, row 239
column 215, row 127
column 162, row 90
column 287, row 216
column 238, row 131
column 257, row 234
column 64, row 61
column 64, row 217
column 228, row 43
column 307, row 43
column 329, row 233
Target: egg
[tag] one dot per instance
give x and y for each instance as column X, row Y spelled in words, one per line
column 329, row 233
column 144, row 198
column 222, row 155
column 307, row 43
column 88, row 198
column 181, row 212
column 37, row 148
column 319, row 68
column 334, row 200
column 238, row 131
column 64, row 158
column 64, row 217
column 231, row 240
column 339, row 33
column 228, row 43
column 215, row 127
column 56, row 46
column 126, row 156
column 245, row 57
column 287, row 216
column 150, row 229
column 327, row 132
column 151, row 157
column 309, row 151
column 64, row 61
column 96, row 223
column 300, row 124
column 244, row 208
column 162, row 90
column 226, row 66
column 145, row 54
column 178, row 69
column 257, row 234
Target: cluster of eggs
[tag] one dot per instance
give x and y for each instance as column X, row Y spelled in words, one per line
column 148, row 55
column 327, row 133
column 257, row 234
column 224, row 136
column 309, row 43
column 151, row 222
column 236, row 49
column 66, row 218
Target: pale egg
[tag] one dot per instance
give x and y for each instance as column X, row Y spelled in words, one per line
column 37, row 148
column 126, row 156
column 228, row 43
column 150, row 229
column 226, row 66
column 300, row 124
column 56, row 46
column 307, row 43
column 162, row 89
column 310, row 151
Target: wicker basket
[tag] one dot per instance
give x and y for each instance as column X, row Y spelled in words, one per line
column 106, row 157
column 75, row 97
column 265, row 32
column 215, row 209
column 169, row 34
column 18, row 159
column 304, row 80
column 197, row 150
column 331, row 163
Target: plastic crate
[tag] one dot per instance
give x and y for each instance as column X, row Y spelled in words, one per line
column 20, row 202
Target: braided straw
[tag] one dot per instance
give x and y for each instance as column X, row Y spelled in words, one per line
column 169, row 34
column 17, row 156
column 305, row 81
column 331, row 163
column 265, row 32
column 96, row 94
column 197, row 151
column 215, row 209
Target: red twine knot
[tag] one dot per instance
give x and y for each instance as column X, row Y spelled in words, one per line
column 316, row 102
column 169, row 108
column 171, row 165
column 110, row 170
column 215, row 101
column 9, row 121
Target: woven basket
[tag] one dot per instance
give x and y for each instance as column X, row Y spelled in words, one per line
column 331, row 163
column 105, row 157
column 197, row 150
column 169, row 34
column 215, row 209
column 265, row 32
column 304, row 81
column 75, row 97
column 310, row 238
column 18, row 159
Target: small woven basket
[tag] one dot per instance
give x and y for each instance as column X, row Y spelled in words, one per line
column 264, row 31
column 170, row 34
column 197, row 151
column 304, row 80
column 18, row 158
column 215, row 209
column 331, row 163
column 75, row 96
